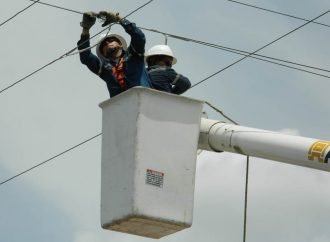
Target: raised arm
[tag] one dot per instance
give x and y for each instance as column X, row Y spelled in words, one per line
column 86, row 56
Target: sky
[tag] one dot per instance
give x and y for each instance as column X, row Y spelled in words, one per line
column 57, row 108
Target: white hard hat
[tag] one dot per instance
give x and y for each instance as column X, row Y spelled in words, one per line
column 106, row 36
column 161, row 50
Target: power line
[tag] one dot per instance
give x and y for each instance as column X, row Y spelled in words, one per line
column 245, row 53
column 142, row 6
column 32, row 73
column 246, row 197
column 276, row 12
column 52, row 158
column 51, row 5
column 84, row 142
column 191, row 87
column 261, row 48
column 48, row 64
column 67, row 53
column 237, row 2
column 74, row 11
column 208, row 44
column 24, row 9
column 233, row 50
column 75, row 146
column 219, row 111
column 228, row 49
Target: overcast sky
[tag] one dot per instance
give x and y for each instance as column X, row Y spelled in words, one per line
column 57, row 108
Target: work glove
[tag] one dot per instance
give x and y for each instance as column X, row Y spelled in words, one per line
column 109, row 17
column 88, row 20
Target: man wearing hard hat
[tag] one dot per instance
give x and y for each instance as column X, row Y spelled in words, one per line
column 160, row 59
column 120, row 66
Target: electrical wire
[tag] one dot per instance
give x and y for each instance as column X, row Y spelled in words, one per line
column 246, row 53
column 246, row 196
column 51, row 5
column 261, row 48
column 48, row 64
column 70, row 10
column 86, row 141
column 240, row 52
column 24, row 9
column 280, row 64
column 75, row 146
column 228, row 49
column 249, row 54
column 276, row 12
column 219, row 111
column 232, row 50
column 68, row 52
column 32, row 73
column 139, row 8
column 191, row 87
column 52, row 158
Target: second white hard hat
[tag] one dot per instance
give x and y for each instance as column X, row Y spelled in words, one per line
column 161, row 50
column 106, row 36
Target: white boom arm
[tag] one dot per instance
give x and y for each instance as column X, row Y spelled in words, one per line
column 218, row 136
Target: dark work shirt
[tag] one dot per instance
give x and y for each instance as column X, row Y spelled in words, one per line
column 134, row 68
column 168, row 80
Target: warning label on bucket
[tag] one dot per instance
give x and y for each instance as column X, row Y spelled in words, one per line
column 155, row 178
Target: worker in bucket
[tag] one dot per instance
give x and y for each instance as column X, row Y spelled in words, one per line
column 160, row 59
column 119, row 65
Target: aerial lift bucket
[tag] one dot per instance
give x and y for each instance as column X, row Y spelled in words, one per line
column 149, row 149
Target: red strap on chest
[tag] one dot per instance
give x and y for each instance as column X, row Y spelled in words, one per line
column 118, row 72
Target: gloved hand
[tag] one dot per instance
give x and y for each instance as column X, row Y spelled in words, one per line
column 88, row 20
column 109, row 17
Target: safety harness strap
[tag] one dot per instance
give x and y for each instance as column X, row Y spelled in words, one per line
column 118, row 72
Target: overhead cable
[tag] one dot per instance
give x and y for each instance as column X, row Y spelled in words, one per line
column 246, row 53
column 241, row 3
column 219, row 111
column 246, row 196
column 228, row 49
column 84, row 142
column 68, row 52
column 52, row 158
column 261, row 48
column 51, row 5
column 24, row 9
column 48, row 64
column 74, row 11
column 276, row 12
